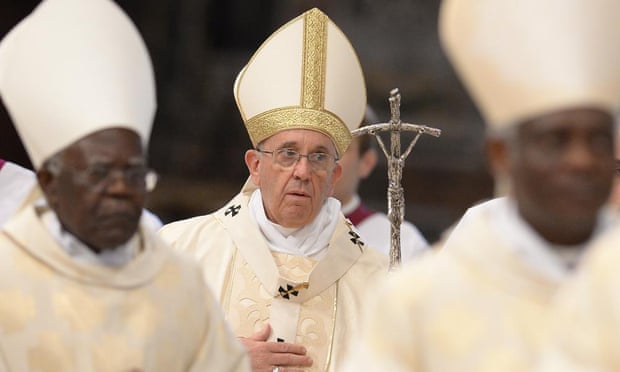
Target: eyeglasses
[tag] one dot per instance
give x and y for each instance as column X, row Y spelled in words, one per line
column 286, row 158
column 101, row 176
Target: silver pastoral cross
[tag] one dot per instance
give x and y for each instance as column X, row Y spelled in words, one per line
column 396, row 161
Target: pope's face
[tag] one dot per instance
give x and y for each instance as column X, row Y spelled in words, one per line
column 99, row 191
column 294, row 195
column 561, row 165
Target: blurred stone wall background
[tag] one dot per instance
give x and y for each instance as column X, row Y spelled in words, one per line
column 198, row 140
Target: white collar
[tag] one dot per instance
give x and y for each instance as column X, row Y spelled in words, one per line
column 554, row 261
column 15, row 185
column 115, row 257
column 311, row 240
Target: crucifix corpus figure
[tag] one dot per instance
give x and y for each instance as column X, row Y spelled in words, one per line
column 396, row 161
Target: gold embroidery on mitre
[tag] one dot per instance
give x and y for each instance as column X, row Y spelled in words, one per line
column 314, row 60
column 270, row 122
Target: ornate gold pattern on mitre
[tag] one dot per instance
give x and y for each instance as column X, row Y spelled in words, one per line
column 314, row 58
column 314, row 111
column 273, row 121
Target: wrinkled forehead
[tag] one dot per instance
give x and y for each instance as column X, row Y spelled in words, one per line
column 301, row 139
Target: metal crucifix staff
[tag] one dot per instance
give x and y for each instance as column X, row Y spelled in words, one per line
column 396, row 161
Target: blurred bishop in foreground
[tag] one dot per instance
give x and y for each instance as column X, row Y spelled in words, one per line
column 545, row 76
column 85, row 285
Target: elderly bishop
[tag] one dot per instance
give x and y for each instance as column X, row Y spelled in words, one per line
column 86, row 285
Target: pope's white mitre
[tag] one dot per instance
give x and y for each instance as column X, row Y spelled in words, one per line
column 524, row 58
column 306, row 75
column 71, row 68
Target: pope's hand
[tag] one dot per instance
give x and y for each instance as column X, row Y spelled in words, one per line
column 266, row 355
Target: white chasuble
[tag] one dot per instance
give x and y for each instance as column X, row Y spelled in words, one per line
column 586, row 315
column 476, row 305
column 313, row 303
column 153, row 314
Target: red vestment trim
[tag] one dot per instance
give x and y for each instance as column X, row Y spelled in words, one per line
column 360, row 214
